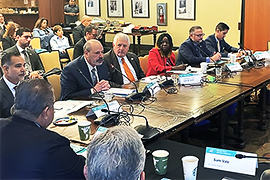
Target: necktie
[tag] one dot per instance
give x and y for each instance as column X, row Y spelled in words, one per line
column 127, row 70
column 27, row 61
column 94, row 76
column 218, row 46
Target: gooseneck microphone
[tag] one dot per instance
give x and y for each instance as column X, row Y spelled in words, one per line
column 200, row 49
column 251, row 55
column 240, row 156
column 133, row 96
column 147, row 131
column 110, row 119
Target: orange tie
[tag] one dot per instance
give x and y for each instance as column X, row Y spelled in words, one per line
column 127, row 70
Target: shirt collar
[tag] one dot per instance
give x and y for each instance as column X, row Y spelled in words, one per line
column 10, row 85
column 19, row 48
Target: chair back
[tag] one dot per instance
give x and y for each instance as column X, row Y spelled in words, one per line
column 35, row 43
column 72, row 39
column 1, row 45
column 268, row 45
column 176, row 54
column 144, row 63
column 70, row 53
column 50, row 60
column 54, row 80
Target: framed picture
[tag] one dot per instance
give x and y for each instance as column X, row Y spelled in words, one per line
column 162, row 14
column 140, row 8
column 185, row 9
column 115, row 8
column 92, row 7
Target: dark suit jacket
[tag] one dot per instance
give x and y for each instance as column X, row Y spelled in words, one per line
column 192, row 55
column 116, row 77
column 8, row 42
column 6, row 99
column 78, row 48
column 225, row 48
column 31, row 152
column 73, row 84
column 78, row 33
column 34, row 58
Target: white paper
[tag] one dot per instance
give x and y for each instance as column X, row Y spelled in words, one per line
column 120, row 91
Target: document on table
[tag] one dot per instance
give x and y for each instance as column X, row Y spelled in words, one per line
column 120, row 91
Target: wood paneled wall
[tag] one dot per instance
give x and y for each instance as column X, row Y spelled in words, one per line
column 16, row 3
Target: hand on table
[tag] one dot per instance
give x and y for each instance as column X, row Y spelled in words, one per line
column 102, row 85
column 179, row 67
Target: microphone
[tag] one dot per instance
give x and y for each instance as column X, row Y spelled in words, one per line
column 240, row 156
column 166, row 83
column 206, row 54
column 52, row 72
column 147, row 131
column 251, row 55
column 109, row 119
column 133, row 96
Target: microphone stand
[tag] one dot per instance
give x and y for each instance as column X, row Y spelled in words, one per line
column 240, row 156
column 109, row 119
column 250, row 64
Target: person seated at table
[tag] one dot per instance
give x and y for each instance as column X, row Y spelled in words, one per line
column 216, row 42
column 193, row 51
column 116, row 154
column 9, row 36
column 78, row 31
column 90, row 32
column 161, row 58
column 85, row 75
column 28, row 150
column 59, row 42
column 124, row 61
column 42, row 31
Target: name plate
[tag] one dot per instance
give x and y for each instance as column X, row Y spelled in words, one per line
column 233, row 67
column 225, row 160
column 191, row 78
column 96, row 112
column 153, row 87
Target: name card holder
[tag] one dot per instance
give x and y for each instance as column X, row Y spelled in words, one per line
column 234, row 67
column 190, row 78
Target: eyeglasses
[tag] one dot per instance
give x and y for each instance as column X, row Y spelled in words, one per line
column 199, row 35
column 27, row 37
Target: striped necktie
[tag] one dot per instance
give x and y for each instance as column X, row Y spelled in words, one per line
column 127, row 70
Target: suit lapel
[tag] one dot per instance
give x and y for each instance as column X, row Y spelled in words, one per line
column 7, row 94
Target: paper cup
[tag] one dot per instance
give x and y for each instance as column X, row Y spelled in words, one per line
column 190, row 165
column 233, row 58
column 84, row 130
column 265, row 175
column 160, row 159
column 203, row 67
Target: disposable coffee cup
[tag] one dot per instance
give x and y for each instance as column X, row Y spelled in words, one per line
column 265, row 175
column 203, row 67
column 84, row 130
column 190, row 166
column 160, row 159
column 233, row 58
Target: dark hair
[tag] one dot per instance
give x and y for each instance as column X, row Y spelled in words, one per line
column 6, row 57
column 32, row 96
column 193, row 28
column 222, row 26
column 21, row 30
column 39, row 22
column 56, row 28
column 89, row 29
column 160, row 38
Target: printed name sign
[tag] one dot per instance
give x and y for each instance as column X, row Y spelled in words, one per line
column 225, row 160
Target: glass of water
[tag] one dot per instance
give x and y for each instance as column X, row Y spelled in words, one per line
column 218, row 70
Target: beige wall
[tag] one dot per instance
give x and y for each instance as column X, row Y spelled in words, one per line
column 208, row 14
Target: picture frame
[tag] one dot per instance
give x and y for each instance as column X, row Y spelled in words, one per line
column 185, row 9
column 140, row 8
column 115, row 8
column 92, row 7
column 162, row 14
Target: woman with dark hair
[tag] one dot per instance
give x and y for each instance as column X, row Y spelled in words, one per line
column 9, row 36
column 42, row 31
column 161, row 58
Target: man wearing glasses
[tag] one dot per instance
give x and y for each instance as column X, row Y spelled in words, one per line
column 33, row 64
column 193, row 51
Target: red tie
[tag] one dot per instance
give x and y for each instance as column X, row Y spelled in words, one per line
column 127, row 70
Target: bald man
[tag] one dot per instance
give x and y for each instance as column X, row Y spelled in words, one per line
column 78, row 31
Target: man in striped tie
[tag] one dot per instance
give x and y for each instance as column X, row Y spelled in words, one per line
column 120, row 59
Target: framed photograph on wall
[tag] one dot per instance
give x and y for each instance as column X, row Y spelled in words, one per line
column 115, row 8
column 162, row 14
column 185, row 9
column 92, row 7
column 140, row 8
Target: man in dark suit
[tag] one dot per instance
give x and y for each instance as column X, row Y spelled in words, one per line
column 86, row 74
column 90, row 32
column 127, row 62
column 28, row 150
column 216, row 42
column 193, row 51
column 78, row 31
column 2, row 26
column 14, row 71
column 33, row 63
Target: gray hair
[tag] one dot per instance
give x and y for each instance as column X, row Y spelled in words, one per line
column 121, row 36
column 193, row 28
column 116, row 154
column 88, row 44
column 32, row 96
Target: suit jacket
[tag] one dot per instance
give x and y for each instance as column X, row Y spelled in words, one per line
column 35, row 61
column 31, row 152
column 225, row 48
column 8, row 42
column 6, row 99
column 73, row 84
column 192, row 55
column 78, row 33
column 115, row 78
column 78, row 48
